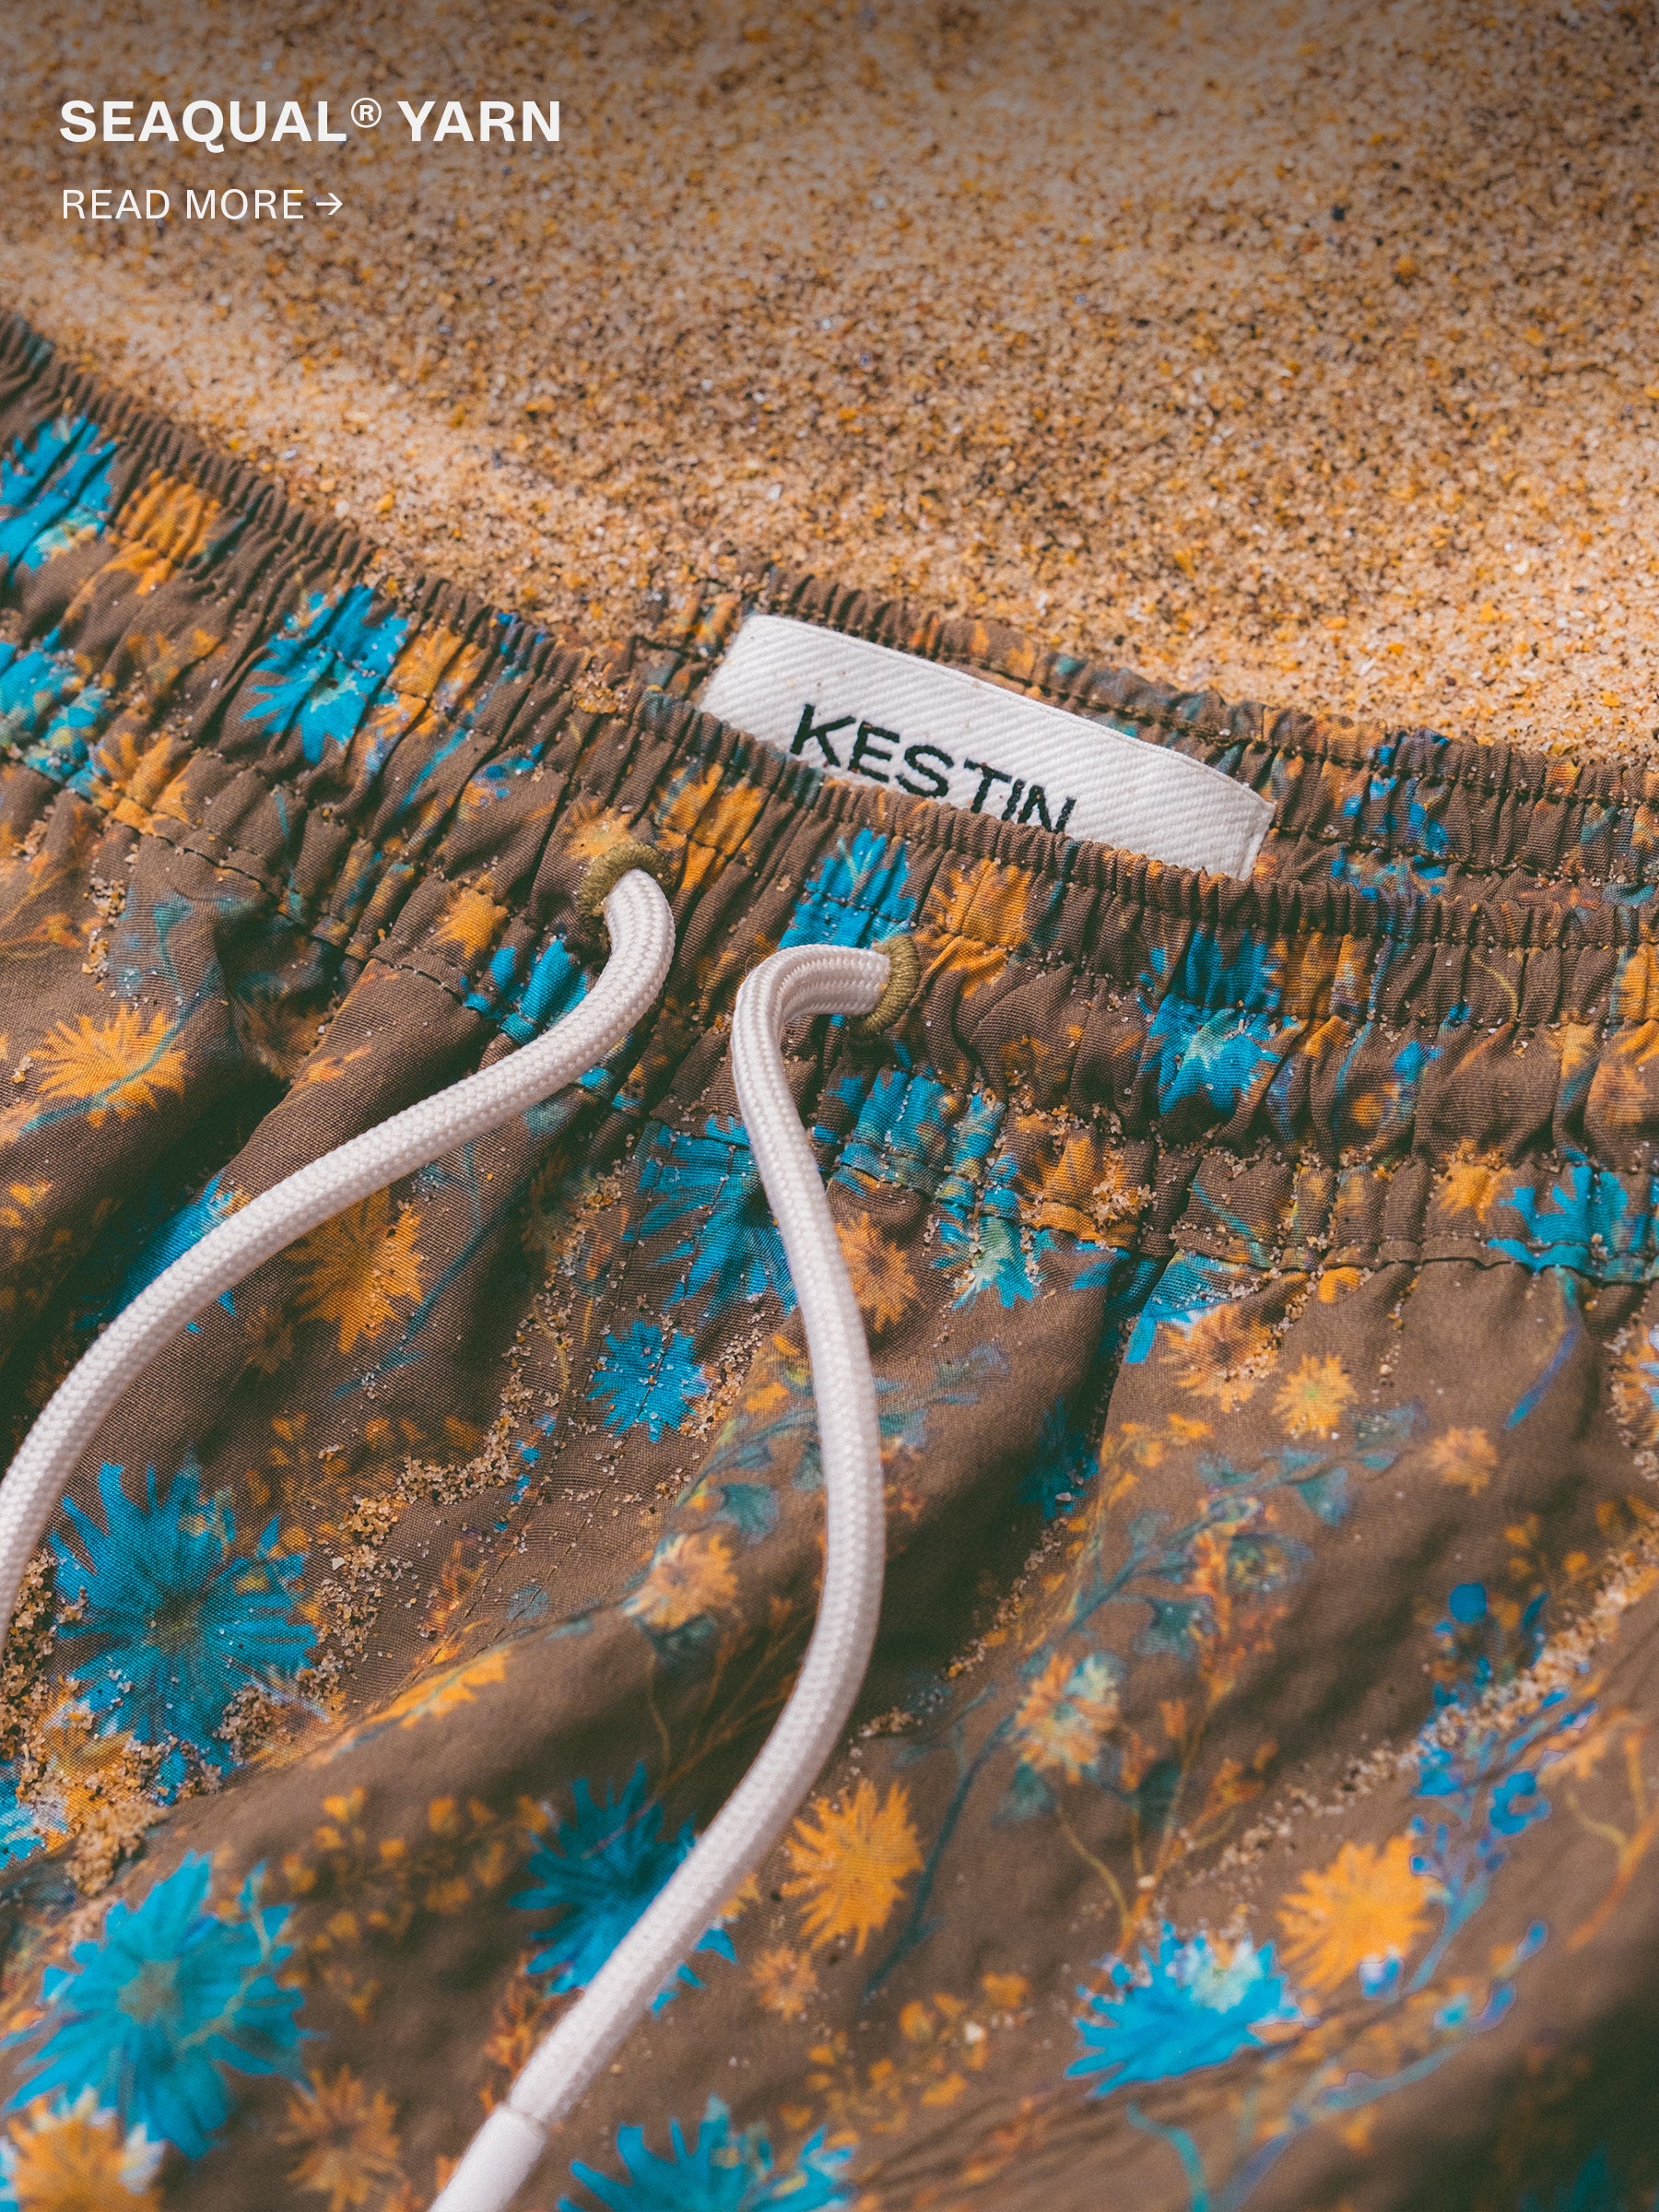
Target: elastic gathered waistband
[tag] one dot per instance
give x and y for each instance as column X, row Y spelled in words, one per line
column 411, row 778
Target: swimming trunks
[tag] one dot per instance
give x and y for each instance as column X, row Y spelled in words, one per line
column 1248, row 1800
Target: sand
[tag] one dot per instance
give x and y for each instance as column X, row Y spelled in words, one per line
column 1308, row 352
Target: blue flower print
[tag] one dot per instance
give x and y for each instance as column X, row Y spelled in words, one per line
column 181, row 1614
column 163, row 2005
column 1467, row 1604
column 319, row 676
column 1213, row 1057
column 992, row 1250
column 21, row 1835
column 709, row 1187
column 1516, row 1803
column 170, row 1239
column 1375, row 803
column 991, row 1254
column 1474, row 1648
column 525, row 1005
column 1372, row 878
column 724, row 2171
column 855, row 895
column 1586, row 1221
column 1190, row 1285
column 599, row 1870
column 1215, row 1033
column 910, row 1132
column 49, row 705
column 651, row 1380
column 54, row 492
column 1207, row 977
column 1194, row 2006
column 1594, row 2188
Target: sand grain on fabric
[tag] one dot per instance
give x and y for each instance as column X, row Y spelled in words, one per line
column 1306, row 352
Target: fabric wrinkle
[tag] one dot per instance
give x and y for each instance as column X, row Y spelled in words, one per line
column 1245, row 1804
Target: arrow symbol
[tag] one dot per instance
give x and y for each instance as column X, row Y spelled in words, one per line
column 331, row 206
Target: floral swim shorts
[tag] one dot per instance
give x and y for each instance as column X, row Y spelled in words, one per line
column 1248, row 1804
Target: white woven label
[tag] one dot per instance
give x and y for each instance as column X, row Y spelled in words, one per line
column 880, row 716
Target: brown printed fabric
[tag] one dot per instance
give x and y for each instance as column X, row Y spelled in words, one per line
column 1249, row 1803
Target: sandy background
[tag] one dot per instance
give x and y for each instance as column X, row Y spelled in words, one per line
column 1306, row 351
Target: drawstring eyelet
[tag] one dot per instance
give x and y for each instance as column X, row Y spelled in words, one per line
column 601, row 875
column 898, row 994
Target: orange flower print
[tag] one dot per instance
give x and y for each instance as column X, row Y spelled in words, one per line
column 1114, row 1198
column 851, row 1859
column 356, row 1267
column 1636, row 1393
column 269, row 1335
column 1066, row 1715
column 591, row 828
column 1363, row 1913
column 280, row 1037
column 1464, row 1458
column 349, row 2141
column 980, row 921
column 166, row 522
column 1472, row 1184
column 1223, row 1353
column 882, row 1281
column 690, row 1575
column 1077, row 1188
column 785, row 1981
column 120, row 1066
column 77, row 2159
column 471, row 924
column 705, row 818
column 441, row 1694
column 1313, row 1400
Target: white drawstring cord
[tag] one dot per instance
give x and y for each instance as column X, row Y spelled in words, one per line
column 641, row 934
column 790, row 986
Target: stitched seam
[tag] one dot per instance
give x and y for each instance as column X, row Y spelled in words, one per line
column 104, row 793
column 1158, row 717
column 1386, row 1252
column 128, row 698
column 47, row 375
column 1118, row 994
column 207, row 844
column 833, row 804
column 355, row 947
column 1401, row 1252
column 326, row 810
column 1308, row 834
column 1113, row 996
column 145, row 436
column 448, row 720
column 108, row 795
column 1183, row 1234
column 1187, row 1233
column 1361, row 841
column 131, row 537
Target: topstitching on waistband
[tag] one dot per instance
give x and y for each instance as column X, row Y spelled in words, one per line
column 413, row 723
column 1541, row 817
